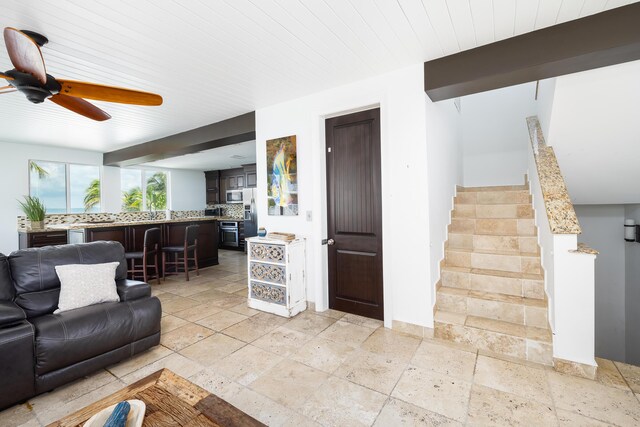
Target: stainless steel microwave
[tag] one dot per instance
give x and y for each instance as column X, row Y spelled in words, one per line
column 234, row 196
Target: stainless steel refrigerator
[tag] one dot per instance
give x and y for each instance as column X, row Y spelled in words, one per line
column 250, row 212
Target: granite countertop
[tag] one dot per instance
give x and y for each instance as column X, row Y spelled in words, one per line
column 585, row 249
column 562, row 217
column 82, row 225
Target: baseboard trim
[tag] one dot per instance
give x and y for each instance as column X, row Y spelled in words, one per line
column 574, row 368
column 412, row 329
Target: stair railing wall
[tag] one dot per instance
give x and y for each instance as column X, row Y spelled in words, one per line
column 569, row 268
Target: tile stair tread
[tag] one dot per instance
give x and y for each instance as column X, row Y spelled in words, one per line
column 494, row 252
column 475, row 233
column 498, row 273
column 499, row 326
column 496, row 188
column 493, row 296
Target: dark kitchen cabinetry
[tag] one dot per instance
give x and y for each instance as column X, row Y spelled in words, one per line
column 235, row 179
column 172, row 234
column 213, row 187
column 251, row 176
column 207, row 239
column 219, row 182
column 40, row 239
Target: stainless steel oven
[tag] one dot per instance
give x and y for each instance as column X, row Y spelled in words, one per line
column 229, row 234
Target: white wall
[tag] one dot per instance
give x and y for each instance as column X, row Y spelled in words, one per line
column 444, row 171
column 546, row 92
column 187, row 187
column 405, row 190
column 632, row 275
column 188, row 190
column 14, row 175
column 594, row 132
column 602, row 229
column 495, row 135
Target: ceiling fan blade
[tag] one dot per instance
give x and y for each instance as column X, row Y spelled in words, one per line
column 80, row 106
column 108, row 93
column 4, row 76
column 7, row 89
column 25, row 54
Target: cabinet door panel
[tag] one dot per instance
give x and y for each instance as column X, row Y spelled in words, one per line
column 232, row 183
column 252, row 180
column 117, row 234
column 240, row 180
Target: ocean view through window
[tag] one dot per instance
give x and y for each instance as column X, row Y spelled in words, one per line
column 65, row 187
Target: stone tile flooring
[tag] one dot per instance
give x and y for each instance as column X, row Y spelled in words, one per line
column 340, row 370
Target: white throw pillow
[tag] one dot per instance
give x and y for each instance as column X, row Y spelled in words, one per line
column 86, row 284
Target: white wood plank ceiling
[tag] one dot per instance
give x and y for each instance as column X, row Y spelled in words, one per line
column 214, row 59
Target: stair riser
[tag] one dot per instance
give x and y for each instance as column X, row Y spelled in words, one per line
column 494, row 227
column 492, row 211
column 493, row 188
column 503, row 285
column 508, row 263
column 509, row 345
column 517, row 313
column 497, row 310
column 521, row 197
column 513, row 244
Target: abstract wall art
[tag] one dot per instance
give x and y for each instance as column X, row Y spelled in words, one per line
column 282, row 176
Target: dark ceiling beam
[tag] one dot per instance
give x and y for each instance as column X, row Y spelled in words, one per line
column 231, row 131
column 607, row 38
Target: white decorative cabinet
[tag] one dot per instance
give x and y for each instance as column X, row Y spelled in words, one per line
column 277, row 276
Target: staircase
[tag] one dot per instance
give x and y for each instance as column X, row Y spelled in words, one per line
column 491, row 291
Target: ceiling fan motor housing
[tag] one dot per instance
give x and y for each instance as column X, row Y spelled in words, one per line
column 31, row 87
column 36, row 37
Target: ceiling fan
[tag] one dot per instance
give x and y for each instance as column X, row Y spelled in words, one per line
column 30, row 77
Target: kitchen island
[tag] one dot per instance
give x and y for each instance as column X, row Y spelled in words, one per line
column 131, row 234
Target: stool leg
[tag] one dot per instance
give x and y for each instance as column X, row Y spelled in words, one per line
column 144, row 267
column 157, row 269
column 195, row 258
column 164, row 266
column 186, row 263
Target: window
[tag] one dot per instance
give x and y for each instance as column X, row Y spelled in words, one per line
column 65, row 188
column 156, row 184
column 143, row 190
column 84, row 188
column 131, row 186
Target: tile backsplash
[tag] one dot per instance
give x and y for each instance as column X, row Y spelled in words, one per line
column 117, row 217
column 233, row 210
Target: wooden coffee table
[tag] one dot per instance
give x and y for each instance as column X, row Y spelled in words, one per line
column 171, row 401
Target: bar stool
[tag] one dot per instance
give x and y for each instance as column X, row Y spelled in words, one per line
column 151, row 248
column 190, row 245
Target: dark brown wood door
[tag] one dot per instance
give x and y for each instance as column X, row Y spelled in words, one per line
column 354, row 217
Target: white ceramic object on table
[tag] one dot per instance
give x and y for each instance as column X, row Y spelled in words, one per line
column 134, row 419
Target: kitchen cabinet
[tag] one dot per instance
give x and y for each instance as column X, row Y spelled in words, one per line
column 232, row 183
column 241, row 236
column 27, row 239
column 172, row 234
column 251, row 176
column 276, row 276
column 219, row 182
column 213, row 187
column 207, row 239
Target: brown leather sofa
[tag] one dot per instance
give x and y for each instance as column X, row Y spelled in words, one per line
column 39, row 350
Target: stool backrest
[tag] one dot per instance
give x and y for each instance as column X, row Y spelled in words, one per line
column 152, row 239
column 191, row 235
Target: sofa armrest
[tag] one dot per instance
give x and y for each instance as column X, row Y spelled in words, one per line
column 10, row 314
column 132, row 289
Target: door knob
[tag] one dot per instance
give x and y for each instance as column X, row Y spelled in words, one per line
column 331, row 242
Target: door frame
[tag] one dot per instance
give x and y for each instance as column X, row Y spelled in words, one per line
column 320, row 206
